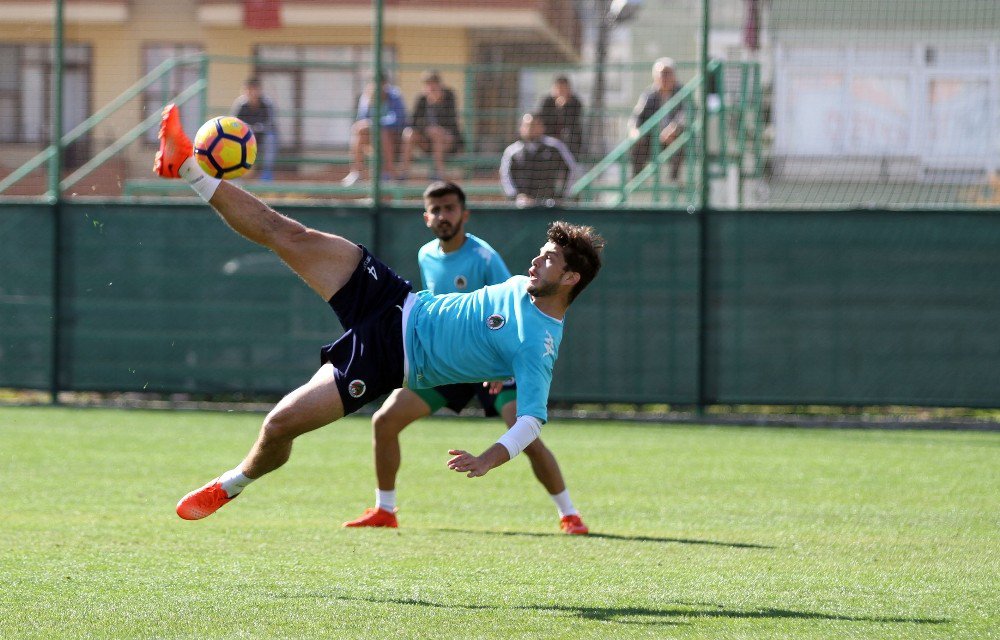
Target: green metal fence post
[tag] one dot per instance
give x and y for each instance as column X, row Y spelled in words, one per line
column 703, row 226
column 375, row 113
column 203, row 73
column 55, row 198
column 55, row 161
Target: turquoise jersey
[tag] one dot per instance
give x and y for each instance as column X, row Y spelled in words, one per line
column 492, row 333
column 474, row 265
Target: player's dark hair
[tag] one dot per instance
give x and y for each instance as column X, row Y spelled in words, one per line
column 441, row 188
column 252, row 81
column 582, row 248
column 561, row 80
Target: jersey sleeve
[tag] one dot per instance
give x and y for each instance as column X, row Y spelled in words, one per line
column 533, row 372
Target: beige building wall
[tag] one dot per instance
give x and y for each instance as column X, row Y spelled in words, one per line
column 117, row 57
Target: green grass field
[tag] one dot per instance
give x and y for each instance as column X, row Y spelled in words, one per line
column 700, row 532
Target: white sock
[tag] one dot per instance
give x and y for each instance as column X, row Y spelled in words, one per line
column 203, row 184
column 233, row 481
column 564, row 504
column 385, row 500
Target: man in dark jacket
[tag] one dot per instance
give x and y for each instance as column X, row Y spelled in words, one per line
column 664, row 87
column 536, row 168
column 434, row 127
column 257, row 110
column 562, row 113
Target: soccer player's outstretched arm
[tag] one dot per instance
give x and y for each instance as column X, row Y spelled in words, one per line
column 534, row 374
column 519, row 436
column 476, row 466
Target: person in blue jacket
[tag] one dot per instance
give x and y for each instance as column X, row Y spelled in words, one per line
column 393, row 121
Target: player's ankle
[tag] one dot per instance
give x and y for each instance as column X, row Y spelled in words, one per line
column 233, row 481
column 203, row 184
column 385, row 500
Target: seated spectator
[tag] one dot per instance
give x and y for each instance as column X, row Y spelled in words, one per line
column 664, row 87
column 392, row 121
column 434, row 126
column 257, row 110
column 536, row 169
column 562, row 114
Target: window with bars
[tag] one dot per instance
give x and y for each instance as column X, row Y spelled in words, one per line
column 315, row 90
column 26, row 72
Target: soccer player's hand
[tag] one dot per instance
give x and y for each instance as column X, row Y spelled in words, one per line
column 465, row 462
column 494, row 386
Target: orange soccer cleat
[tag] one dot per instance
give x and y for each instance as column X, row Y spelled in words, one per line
column 573, row 525
column 175, row 146
column 203, row 502
column 374, row 517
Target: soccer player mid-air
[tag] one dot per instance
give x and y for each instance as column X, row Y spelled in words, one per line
column 394, row 338
column 455, row 262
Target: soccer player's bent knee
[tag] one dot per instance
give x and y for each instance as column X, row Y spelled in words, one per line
column 386, row 425
column 278, row 427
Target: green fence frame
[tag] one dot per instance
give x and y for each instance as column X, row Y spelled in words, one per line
column 764, row 307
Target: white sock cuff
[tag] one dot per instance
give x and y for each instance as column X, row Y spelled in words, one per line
column 563, row 503
column 234, row 482
column 385, row 499
column 203, row 184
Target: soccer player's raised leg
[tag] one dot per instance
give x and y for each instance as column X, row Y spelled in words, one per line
column 324, row 261
column 401, row 408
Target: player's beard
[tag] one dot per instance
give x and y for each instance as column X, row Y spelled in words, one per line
column 543, row 289
column 445, row 232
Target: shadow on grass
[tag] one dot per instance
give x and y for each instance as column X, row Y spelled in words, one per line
column 700, row 610
column 666, row 616
column 612, row 536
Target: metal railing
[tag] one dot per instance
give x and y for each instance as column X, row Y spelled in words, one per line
column 735, row 127
column 159, row 74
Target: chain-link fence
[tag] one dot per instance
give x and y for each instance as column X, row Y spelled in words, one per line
column 651, row 103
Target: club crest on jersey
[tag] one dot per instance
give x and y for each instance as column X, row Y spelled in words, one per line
column 495, row 321
column 357, row 388
column 461, row 282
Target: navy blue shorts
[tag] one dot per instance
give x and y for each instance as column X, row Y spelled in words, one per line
column 368, row 359
column 457, row 396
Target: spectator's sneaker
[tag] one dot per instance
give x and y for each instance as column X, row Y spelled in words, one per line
column 203, row 502
column 175, row 146
column 351, row 179
column 374, row 517
column 573, row 525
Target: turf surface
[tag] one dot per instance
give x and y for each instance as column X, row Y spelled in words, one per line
column 700, row 532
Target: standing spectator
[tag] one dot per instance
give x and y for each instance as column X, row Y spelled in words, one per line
column 257, row 110
column 434, row 126
column 664, row 87
column 392, row 121
column 537, row 168
column 562, row 114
